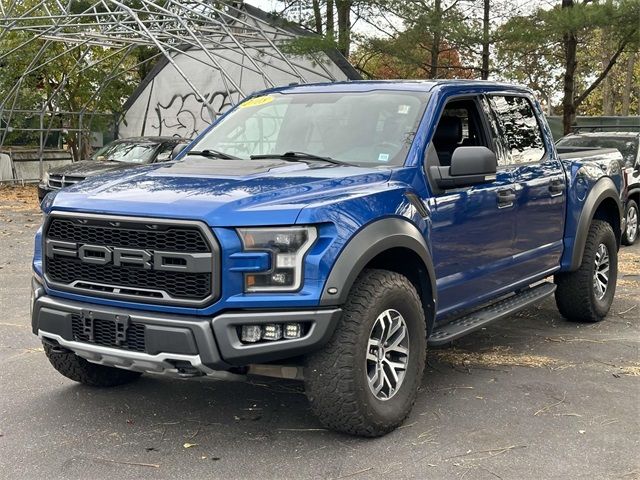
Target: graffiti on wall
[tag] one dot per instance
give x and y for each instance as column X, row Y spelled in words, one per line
column 185, row 115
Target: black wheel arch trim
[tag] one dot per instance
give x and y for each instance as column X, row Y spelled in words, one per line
column 631, row 193
column 602, row 190
column 370, row 241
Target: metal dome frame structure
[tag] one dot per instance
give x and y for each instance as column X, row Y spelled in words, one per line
column 170, row 27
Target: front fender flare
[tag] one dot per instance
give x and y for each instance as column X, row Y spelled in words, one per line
column 369, row 242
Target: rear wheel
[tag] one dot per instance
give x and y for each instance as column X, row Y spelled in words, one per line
column 630, row 234
column 79, row 370
column 365, row 380
column 586, row 294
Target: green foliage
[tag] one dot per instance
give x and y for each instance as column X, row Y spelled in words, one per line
column 436, row 36
column 530, row 48
column 37, row 74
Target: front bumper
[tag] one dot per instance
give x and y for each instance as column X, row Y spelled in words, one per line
column 175, row 344
column 43, row 189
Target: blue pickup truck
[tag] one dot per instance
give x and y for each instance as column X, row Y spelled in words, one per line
column 328, row 233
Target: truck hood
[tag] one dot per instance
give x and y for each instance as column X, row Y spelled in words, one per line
column 87, row 168
column 219, row 192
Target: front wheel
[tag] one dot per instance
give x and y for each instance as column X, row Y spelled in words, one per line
column 630, row 234
column 586, row 294
column 365, row 380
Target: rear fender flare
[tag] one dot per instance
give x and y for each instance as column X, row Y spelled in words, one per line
column 602, row 190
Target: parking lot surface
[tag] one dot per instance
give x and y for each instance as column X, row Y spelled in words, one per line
column 531, row 397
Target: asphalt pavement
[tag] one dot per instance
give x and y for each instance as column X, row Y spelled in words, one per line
column 530, row 397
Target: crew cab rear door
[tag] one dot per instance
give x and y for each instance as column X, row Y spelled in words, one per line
column 525, row 150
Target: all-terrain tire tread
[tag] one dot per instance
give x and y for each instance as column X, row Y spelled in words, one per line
column 574, row 293
column 80, row 370
column 329, row 380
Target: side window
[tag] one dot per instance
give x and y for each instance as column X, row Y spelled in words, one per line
column 460, row 125
column 517, row 124
column 499, row 145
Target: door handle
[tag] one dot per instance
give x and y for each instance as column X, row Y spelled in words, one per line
column 506, row 197
column 556, row 186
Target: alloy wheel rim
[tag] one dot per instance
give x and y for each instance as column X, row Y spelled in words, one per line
column 387, row 354
column 601, row 271
column 632, row 224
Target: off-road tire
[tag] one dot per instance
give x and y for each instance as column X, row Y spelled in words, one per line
column 576, row 296
column 79, row 370
column 631, row 204
column 335, row 376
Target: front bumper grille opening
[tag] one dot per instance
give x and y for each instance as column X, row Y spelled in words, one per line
column 104, row 334
column 94, row 277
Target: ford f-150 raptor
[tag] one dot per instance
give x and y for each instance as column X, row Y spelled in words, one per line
column 328, row 233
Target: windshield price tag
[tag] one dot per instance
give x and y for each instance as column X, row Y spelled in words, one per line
column 254, row 102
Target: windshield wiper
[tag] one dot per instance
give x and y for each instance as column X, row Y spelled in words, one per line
column 298, row 156
column 213, row 154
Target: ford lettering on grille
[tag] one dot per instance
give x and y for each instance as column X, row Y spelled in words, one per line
column 148, row 260
column 159, row 261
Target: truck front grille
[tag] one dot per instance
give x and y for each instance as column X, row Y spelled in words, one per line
column 155, row 261
column 104, row 334
column 57, row 181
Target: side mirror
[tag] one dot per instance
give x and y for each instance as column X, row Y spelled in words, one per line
column 100, row 158
column 473, row 161
column 469, row 166
column 177, row 149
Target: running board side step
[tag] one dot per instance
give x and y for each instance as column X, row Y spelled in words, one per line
column 478, row 319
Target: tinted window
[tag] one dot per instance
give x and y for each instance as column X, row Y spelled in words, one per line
column 519, row 128
column 499, row 146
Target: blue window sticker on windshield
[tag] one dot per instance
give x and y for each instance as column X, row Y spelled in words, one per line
column 383, row 157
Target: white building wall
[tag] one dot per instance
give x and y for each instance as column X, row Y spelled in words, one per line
column 169, row 106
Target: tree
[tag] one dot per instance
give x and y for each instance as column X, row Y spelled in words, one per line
column 52, row 77
column 556, row 36
column 310, row 15
column 432, row 39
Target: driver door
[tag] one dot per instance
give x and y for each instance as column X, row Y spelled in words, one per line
column 473, row 228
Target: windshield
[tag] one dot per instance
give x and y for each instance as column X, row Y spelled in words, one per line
column 368, row 128
column 628, row 147
column 127, row 152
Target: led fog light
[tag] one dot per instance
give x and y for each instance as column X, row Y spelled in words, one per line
column 272, row 331
column 251, row 333
column 292, row 330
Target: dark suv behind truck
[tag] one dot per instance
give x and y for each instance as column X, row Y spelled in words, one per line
column 628, row 143
column 328, row 233
column 117, row 155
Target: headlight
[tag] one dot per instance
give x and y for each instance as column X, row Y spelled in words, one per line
column 287, row 247
column 45, row 178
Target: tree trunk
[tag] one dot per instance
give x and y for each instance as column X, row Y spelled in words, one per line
column 570, row 45
column 435, row 45
column 628, row 84
column 607, row 90
column 317, row 16
column 330, row 24
column 344, row 26
column 484, row 72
